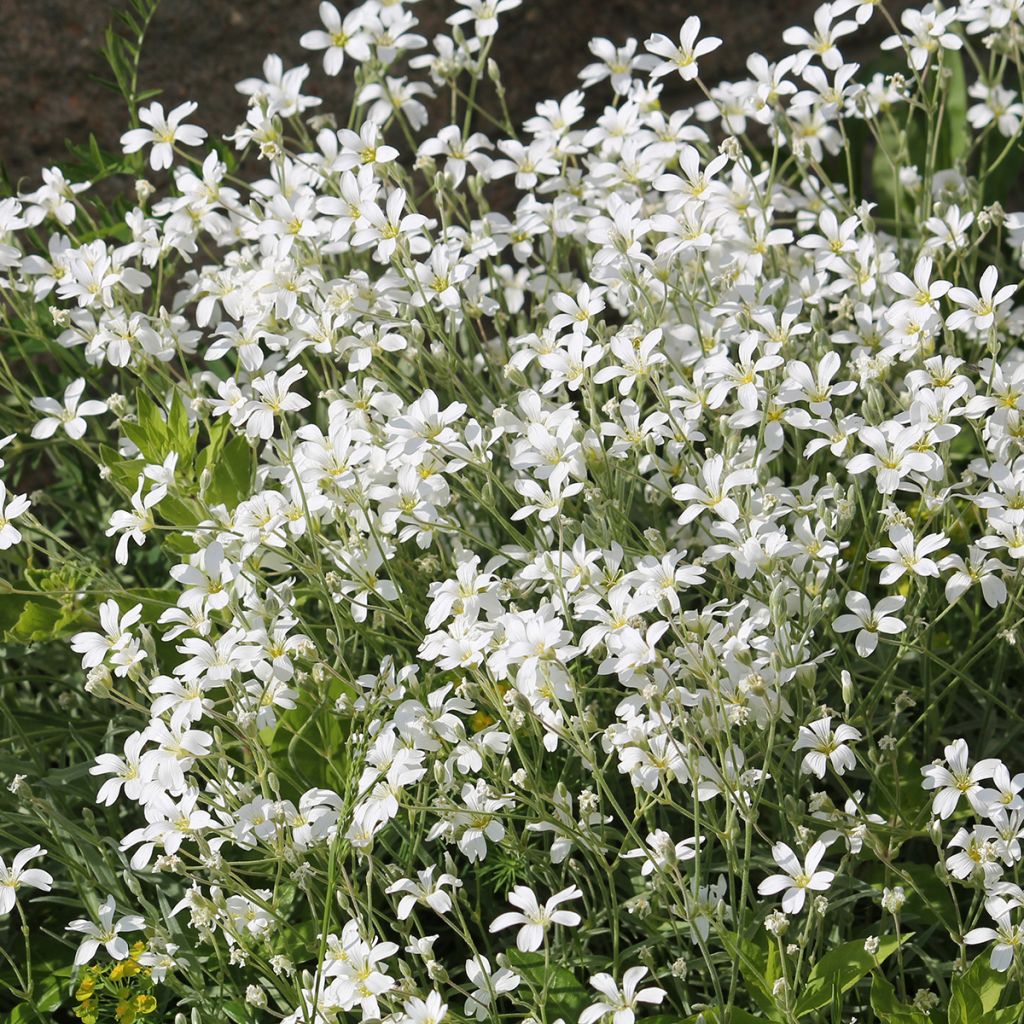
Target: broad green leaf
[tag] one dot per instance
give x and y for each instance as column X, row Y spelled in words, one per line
column 565, row 995
column 182, row 439
column 975, row 992
column 11, row 607
column 954, row 137
column 51, row 997
column 888, row 1008
column 307, row 750
column 841, row 967
column 176, row 512
column 236, row 1011
column 232, row 470
column 124, row 473
column 23, row 1013
column 150, row 433
column 40, row 620
column 757, row 965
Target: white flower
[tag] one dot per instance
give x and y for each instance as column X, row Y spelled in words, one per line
column 162, row 133
column 661, row 852
column 907, row 555
column 978, row 855
column 17, row 875
column 10, row 508
column 826, row 746
column 998, row 105
column 424, row 890
column 95, row 647
column 892, row 455
column 71, row 415
column 487, row 986
column 483, row 14
column 338, row 38
column 423, row 1011
column 107, row 933
column 274, row 398
column 681, row 58
column 798, row 878
column 978, row 568
column 621, row 1004
column 979, row 311
column 957, row 780
column 713, row 496
column 1008, row 938
column 536, row 918
column 870, row 622
column 137, row 523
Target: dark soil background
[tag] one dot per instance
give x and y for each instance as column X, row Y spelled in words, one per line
column 197, row 49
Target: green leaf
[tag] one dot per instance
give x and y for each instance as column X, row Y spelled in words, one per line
column 308, row 750
column 124, row 473
column 888, row 1008
column 954, row 137
column 51, row 997
column 713, row 1016
column 757, row 964
column 150, row 434
column 842, row 968
column 11, row 607
column 232, row 469
column 39, row 620
column 182, row 438
column 974, row 993
column 176, row 512
column 236, row 1011
column 565, row 995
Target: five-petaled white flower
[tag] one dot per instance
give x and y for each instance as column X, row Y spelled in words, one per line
column 107, row 933
column 798, row 878
column 978, row 311
column 955, row 779
column 907, row 555
column 536, row 918
column 17, row 875
column 870, row 622
column 620, row 1003
column 681, row 57
column 825, row 746
column 424, row 890
column 1007, row 937
column 10, row 508
column 162, row 133
column 338, row 37
column 70, row 415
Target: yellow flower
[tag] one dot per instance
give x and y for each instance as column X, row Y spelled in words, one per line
column 125, row 1012
column 125, row 969
column 85, row 990
column 86, row 1011
column 145, row 1004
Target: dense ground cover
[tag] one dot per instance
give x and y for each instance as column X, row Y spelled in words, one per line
column 463, row 571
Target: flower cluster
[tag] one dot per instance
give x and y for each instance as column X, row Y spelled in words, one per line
column 603, row 518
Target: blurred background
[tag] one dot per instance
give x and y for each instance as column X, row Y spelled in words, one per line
column 197, row 49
